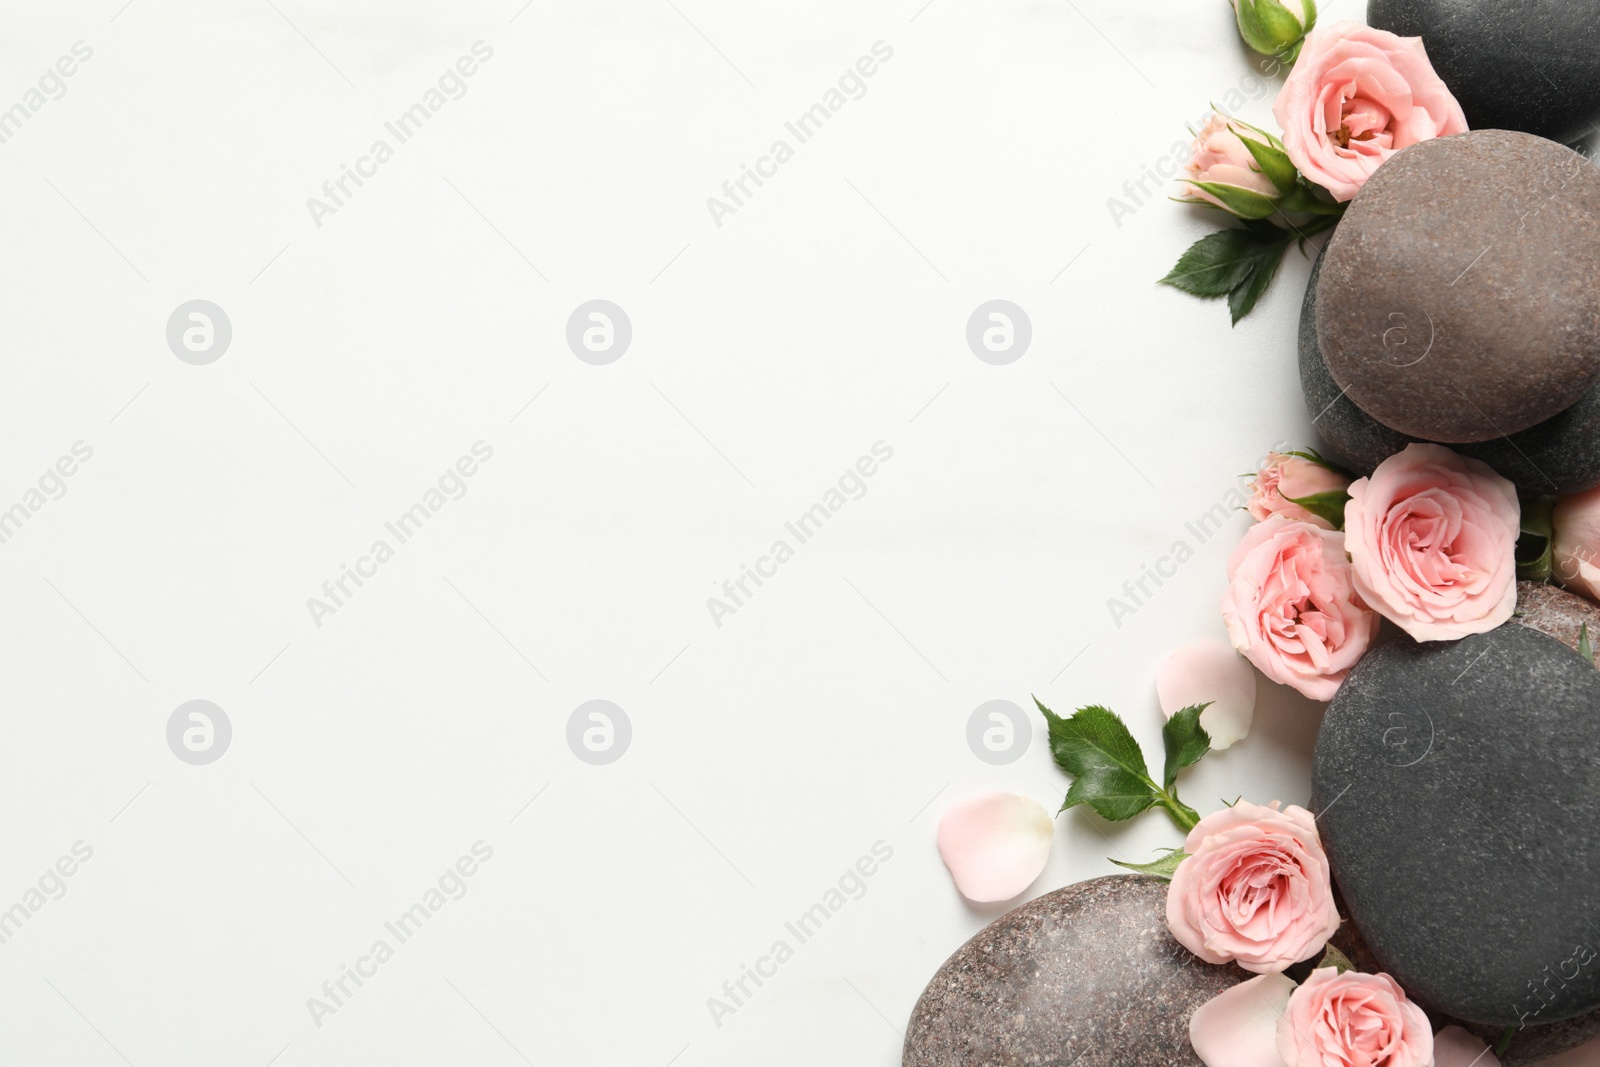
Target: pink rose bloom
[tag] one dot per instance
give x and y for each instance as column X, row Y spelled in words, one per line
column 1356, row 1019
column 1221, row 156
column 1291, row 606
column 1254, row 889
column 1355, row 97
column 1577, row 543
column 1432, row 537
column 1285, row 478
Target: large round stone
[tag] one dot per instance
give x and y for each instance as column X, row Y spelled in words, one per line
column 1087, row 975
column 1560, row 455
column 1530, row 65
column 1459, row 298
column 1457, row 786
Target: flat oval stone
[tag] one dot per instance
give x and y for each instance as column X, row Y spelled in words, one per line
column 1087, row 975
column 1533, row 65
column 1457, row 786
column 1560, row 455
column 1531, row 1045
column 1459, row 298
column 1558, row 614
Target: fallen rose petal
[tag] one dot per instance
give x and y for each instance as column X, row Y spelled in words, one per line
column 1211, row 671
column 1454, row 1047
column 995, row 844
column 1585, row 1055
column 1239, row 1026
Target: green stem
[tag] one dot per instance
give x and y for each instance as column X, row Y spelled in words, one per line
column 1505, row 1041
column 1182, row 814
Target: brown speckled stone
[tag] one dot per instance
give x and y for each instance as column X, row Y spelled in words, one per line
column 1558, row 613
column 1087, row 975
column 1460, row 296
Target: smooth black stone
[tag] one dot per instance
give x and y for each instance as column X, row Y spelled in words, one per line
column 1457, row 786
column 1558, row 456
column 1530, row 65
column 1086, row 976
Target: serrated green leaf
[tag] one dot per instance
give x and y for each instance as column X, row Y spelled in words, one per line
column 1162, row 868
column 1213, row 265
column 1185, row 741
column 1263, row 268
column 1108, row 769
column 1329, row 505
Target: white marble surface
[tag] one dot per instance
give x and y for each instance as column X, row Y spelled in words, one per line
column 373, row 345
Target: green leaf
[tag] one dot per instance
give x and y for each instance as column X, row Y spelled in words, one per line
column 1185, row 741
column 1304, row 199
column 1273, row 161
column 1213, row 265
column 1585, row 649
column 1322, row 461
column 1263, row 267
column 1536, row 547
column 1332, row 957
column 1329, row 505
column 1162, row 868
column 1504, row 1043
column 1237, row 200
column 1107, row 768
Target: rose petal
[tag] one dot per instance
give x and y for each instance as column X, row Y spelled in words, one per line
column 1212, row 671
column 1239, row 1026
column 1454, row 1047
column 995, row 844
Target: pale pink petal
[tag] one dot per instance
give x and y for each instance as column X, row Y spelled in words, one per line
column 1211, row 671
column 1454, row 1047
column 1239, row 1026
column 995, row 844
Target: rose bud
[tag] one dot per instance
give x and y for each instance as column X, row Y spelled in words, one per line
column 1577, row 543
column 1275, row 27
column 1238, row 168
column 1302, row 486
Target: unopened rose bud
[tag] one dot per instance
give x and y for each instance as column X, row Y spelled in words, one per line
column 1275, row 27
column 1301, row 486
column 1238, row 168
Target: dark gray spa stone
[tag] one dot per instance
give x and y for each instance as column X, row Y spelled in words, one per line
column 1459, row 298
column 1457, row 786
column 1558, row 456
column 1087, row 975
column 1530, row 65
column 1532, row 1044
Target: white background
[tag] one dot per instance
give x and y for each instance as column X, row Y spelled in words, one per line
column 768, row 354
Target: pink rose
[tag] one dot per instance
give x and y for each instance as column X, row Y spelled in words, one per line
column 1291, row 606
column 1254, row 889
column 1577, row 543
column 1220, row 157
column 1285, row 478
column 1355, row 1019
column 1355, row 97
column 1432, row 538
